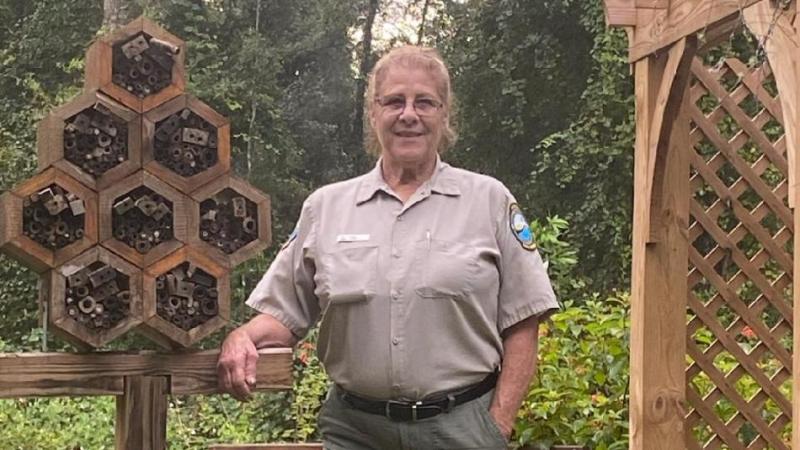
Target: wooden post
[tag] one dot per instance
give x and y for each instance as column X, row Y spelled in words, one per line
column 142, row 414
column 660, row 259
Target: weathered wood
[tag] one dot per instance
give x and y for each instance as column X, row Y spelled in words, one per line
column 60, row 374
column 99, row 66
column 50, row 140
column 659, row 276
column 141, row 421
column 248, row 251
column 180, row 218
column 194, row 182
column 68, row 327
column 161, row 330
column 29, row 252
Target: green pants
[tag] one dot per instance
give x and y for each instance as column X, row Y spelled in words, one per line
column 467, row 426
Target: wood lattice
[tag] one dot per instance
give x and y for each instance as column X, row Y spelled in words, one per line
column 739, row 334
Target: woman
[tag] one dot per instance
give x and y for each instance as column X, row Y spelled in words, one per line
column 425, row 279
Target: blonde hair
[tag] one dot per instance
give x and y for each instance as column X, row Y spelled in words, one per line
column 410, row 56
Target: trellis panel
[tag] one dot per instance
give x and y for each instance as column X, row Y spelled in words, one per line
column 739, row 332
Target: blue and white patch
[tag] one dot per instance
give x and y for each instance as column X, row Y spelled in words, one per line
column 519, row 226
column 291, row 238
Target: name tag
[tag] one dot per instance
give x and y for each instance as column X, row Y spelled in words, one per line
column 352, row 238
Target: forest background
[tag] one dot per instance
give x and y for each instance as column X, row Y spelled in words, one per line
column 544, row 103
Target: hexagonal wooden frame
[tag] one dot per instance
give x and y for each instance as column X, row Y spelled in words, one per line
column 180, row 218
column 161, row 330
column 50, row 140
column 99, row 69
column 29, row 252
column 186, row 184
column 262, row 202
column 70, row 329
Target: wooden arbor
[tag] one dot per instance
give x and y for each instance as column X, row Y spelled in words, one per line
column 715, row 210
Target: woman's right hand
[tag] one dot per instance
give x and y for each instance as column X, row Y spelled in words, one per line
column 236, row 367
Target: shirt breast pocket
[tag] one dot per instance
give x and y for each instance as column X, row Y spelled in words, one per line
column 349, row 274
column 446, row 269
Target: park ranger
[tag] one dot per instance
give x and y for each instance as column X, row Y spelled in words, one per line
column 425, row 280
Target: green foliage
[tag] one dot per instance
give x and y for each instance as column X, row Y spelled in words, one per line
column 584, row 172
column 57, row 423
column 546, row 84
column 560, row 256
column 581, row 394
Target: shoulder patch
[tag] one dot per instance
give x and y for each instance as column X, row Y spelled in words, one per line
column 520, row 228
column 292, row 237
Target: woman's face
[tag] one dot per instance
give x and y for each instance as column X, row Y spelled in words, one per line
column 409, row 116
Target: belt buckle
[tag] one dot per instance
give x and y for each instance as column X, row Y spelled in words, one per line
column 388, row 410
column 414, row 410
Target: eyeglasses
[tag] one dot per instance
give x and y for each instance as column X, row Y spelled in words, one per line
column 395, row 104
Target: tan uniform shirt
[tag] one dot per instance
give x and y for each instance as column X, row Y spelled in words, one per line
column 412, row 297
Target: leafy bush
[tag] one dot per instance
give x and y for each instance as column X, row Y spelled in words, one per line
column 581, row 392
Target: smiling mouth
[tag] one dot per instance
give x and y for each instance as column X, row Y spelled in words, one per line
column 408, row 134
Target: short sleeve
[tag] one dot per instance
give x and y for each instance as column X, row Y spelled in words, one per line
column 286, row 291
column 525, row 288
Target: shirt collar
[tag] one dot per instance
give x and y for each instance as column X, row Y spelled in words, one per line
column 442, row 182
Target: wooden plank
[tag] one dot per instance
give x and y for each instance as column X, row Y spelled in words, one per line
column 683, row 18
column 658, row 295
column 141, row 421
column 620, row 12
column 671, row 91
column 60, row 374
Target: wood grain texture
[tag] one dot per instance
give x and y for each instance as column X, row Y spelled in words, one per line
column 620, row 12
column 74, row 331
column 141, row 421
column 60, row 374
column 180, row 218
column 659, row 277
column 681, row 19
column 263, row 218
column 197, row 181
column 668, row 103
column 162, row 331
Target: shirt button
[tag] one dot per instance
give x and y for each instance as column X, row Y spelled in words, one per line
column 395, row 252
column 395, row 294
column 395, row 341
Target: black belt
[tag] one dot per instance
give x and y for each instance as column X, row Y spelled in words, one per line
column 403, row 411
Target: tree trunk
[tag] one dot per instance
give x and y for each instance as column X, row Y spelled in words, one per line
column 117, row 13
column 361, row 86
column 421, row 32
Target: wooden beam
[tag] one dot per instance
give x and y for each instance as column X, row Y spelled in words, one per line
column 671, row 91
column 142, row 414
column 620, row 13
column 65, row 374
column 658, row 295
column 681, row 19
column 628, row 12
column 774, row 28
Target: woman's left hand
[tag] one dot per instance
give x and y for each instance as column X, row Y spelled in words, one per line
column 506, row 427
